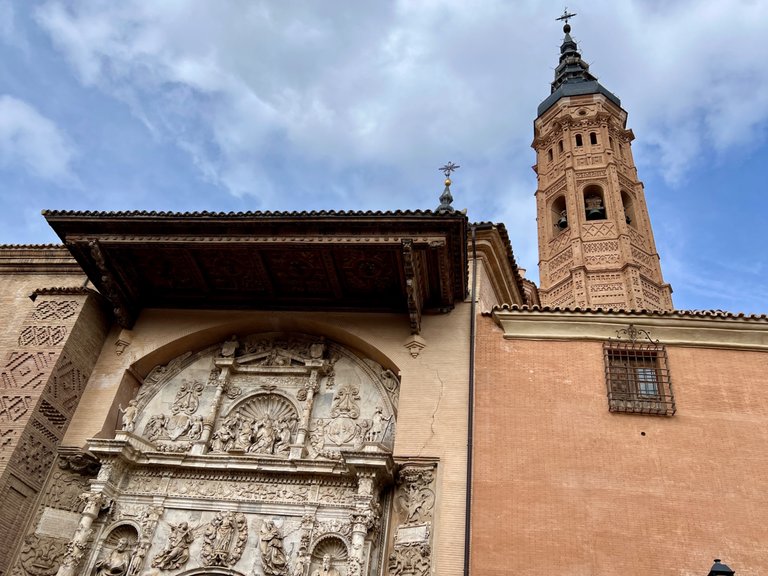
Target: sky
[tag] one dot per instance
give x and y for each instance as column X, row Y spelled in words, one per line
column 235, row 105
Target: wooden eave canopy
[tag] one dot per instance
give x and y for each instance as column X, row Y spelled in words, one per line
column 352, row 261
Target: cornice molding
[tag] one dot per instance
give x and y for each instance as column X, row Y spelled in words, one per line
column 681, row 329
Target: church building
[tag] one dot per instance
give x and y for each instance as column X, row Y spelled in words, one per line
column 381, row 393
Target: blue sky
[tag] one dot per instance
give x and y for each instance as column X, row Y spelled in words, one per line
column 247, row 105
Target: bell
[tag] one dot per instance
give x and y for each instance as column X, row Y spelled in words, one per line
column 562, row 222
column 628, row 219
column 596, row 213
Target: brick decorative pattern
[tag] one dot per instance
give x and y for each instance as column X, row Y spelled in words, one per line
column 41, row 382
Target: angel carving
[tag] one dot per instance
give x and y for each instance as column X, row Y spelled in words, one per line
column 176, row 551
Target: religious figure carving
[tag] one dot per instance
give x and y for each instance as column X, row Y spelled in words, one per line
column 327, row 568
column 264, row 437
column 273, row 560
column 129, row 415
column 116, row 562
column 195, row 428
column 218, row 547
column 225, row 436
column 155, row 428
column 176, row 552
column 378, row 426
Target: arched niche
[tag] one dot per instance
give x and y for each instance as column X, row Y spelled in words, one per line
column 330, row 548
column 269, row 376
column 211, row 571
column 559, row 215
column 594, row 203
column 116, row 549
column 628, row 203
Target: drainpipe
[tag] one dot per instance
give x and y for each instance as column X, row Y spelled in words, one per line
column 470, row 405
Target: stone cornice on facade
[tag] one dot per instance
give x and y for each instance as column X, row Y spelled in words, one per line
column 495, row 249
column 37, row 259
column 707, row 329
column 138, row 451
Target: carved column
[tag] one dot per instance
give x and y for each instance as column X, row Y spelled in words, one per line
column 297, row 449
column 222, row 383
column 362, row 519
column 94, row 503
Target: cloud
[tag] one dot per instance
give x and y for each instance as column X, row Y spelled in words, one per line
column 32, row 141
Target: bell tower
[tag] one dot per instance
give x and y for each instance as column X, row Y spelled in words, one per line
column 596, row 246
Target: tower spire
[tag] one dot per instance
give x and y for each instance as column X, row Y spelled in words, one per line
column 596, row 246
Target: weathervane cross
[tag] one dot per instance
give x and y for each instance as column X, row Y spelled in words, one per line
column 566, row 15
column 448, row 168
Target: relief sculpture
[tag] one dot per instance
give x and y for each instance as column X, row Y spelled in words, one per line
column 224, row 539
column 176, row 551
column 263, row 424
column 411, row 553
column 273, row 560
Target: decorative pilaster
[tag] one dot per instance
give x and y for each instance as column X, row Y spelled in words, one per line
column 95, row 502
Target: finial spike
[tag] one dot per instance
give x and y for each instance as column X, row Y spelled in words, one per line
column 565, row 17
column 446, row 198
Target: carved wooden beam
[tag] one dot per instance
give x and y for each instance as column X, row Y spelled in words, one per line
column 413, row 287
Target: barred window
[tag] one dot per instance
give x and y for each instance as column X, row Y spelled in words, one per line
column 637, row 377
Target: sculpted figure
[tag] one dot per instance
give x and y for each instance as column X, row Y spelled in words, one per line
column 116, row 562
column 176, row 552
column 129, row 415
column 273, row 559
column 282, row 446
column 155, row 428
column 224, row 437
column 196, row 428
column 299, row 565
column 264, row 441
column 244, row 437
column 327, row 569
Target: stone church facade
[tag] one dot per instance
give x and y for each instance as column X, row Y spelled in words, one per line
column 348, row 393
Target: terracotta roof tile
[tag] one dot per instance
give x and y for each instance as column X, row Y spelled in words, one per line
column 633, row 312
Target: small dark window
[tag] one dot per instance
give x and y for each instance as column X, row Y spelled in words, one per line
column 592, row 138
column 578, row 140
column 560, row 146
column 549, row 154
column 637, row 377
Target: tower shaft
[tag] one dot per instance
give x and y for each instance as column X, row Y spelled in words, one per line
column 596, row 245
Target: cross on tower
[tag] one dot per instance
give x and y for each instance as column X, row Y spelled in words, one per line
column 566, row 15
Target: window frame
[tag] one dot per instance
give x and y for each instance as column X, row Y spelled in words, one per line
column 637, row 377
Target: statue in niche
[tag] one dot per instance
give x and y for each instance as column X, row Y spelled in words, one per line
column 130, row 413
column 327, row 568
column 176, row 552
column 116, row 562
column 273, row 560
column 218, row 549
column 345, row 401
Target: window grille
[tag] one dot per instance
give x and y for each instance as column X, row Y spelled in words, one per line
column 637, row 375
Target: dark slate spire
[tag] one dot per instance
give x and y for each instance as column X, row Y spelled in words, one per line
column 572, row 76
column 571, row 67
